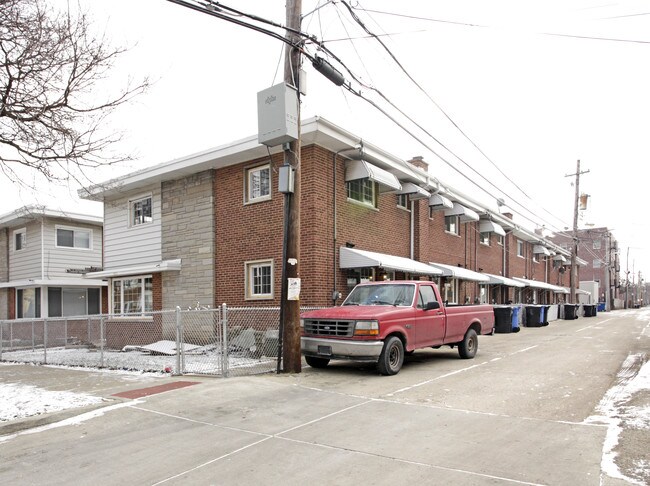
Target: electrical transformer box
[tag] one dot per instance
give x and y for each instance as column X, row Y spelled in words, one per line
column 277, row 115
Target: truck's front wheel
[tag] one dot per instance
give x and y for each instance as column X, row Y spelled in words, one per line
column 316, row 362
column 391, row 357
column 468, row 346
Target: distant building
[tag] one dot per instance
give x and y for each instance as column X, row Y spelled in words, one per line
column 43, row 255
column 599, row 249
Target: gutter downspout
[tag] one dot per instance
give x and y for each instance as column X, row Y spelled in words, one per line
column 359, row 149
column 412, row 236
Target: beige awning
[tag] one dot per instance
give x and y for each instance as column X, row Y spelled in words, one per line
column 466, row 214
column 460, row 272
column 353, row 258
column 361, row 169
column 491, row 227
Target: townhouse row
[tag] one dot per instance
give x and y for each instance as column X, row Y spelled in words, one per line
column 208, row 228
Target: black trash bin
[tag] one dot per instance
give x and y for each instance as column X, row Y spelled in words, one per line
column 503, row 319
column 533, row 316
column 570, row 312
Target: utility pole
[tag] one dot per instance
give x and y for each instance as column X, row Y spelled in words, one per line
column 573, row 277
column 608, row 261
column 291, row 308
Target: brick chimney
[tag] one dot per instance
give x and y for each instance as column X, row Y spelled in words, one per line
column 418, row 161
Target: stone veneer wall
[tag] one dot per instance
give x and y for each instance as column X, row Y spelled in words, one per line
column 188, row 234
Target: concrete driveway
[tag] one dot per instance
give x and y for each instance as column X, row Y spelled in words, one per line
column 524, row 411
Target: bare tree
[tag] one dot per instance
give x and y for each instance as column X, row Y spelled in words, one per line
column 52, row 113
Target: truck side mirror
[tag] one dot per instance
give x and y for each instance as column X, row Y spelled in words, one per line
column 432, row 306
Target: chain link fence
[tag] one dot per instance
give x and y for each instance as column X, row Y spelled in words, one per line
column 224, row 341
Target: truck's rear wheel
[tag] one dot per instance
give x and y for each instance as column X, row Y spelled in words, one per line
column 391, row 357
column 468, row 346
column 316, row 362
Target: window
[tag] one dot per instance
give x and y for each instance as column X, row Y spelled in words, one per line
column 485, row 239
column 596, row 245
column 258, row 184
column 500, row 240
column 363, row 191
column 259, row 279
column 520, row 248
column 426, row 295
column 597, row 263
column 483, row 293
column 403, row 201
column 20, row 239
column 63, row 302
column 451, row 225
column 28, row 303
column 141, row 212
column 73, row 238
column 132, row 295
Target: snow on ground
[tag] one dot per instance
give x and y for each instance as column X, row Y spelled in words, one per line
column 619, row 412
column 20, row 401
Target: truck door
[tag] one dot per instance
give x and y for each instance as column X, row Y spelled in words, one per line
column 429, row 324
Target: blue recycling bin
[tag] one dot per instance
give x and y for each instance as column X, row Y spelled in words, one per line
column 601, row 306
column 545, row 310
column 515, row 319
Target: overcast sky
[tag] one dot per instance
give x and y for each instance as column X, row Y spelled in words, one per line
column 516, row 91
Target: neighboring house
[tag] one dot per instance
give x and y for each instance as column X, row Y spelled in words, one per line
column 43, row 254
column 207, row 229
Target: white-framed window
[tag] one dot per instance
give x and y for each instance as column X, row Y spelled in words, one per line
column 20, row 239
column 485, row 238
column 597, row 263
column 258, row 184
column 75, row 301
column 596, row 245
column 141, row 211
column 452, row 225
column 259, row 279
column 403, row 201
column 68, row 237
column 132, row 295
column 500, row 240
column 363, row 191
column 520, row 248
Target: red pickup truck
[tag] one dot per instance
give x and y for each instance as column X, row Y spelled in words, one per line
column 381, row 321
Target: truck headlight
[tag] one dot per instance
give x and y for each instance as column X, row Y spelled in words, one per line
column 366, row 328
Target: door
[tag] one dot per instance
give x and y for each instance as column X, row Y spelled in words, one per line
column 429, row 324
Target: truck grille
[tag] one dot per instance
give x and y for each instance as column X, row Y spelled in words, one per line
column 329, row 328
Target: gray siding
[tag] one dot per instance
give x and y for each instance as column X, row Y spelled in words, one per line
column 188, row 233
column 126, row 245
column 58, row 260
column 26, row 263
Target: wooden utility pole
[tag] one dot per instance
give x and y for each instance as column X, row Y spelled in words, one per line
column 573, row 277
column 291, row 308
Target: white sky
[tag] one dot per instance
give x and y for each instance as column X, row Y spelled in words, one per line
column 533, row 103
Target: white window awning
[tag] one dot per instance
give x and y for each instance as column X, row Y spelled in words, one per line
column 536, row 284
column 438, row 202
column 414, row 191
column 361, row 169
column 56, row 282
column 490, row 227
column 559, row 258
column 353, row 258
column 466, row 214
column 163, row 266
column 499, row 280
column 541, row 249
column 460, row 272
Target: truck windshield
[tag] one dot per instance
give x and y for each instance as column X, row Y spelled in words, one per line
column 381, row 294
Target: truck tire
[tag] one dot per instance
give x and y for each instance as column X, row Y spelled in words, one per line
column 391, row 357
column 468, row 346
column 316, row 362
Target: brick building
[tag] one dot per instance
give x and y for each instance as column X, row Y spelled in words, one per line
column 207, row 228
